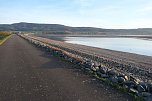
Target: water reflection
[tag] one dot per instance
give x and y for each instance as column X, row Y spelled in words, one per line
column 132, row 45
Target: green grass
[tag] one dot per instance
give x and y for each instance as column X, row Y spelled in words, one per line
column 3, row 39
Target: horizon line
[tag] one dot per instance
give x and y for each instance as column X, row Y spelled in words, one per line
column 70, row 25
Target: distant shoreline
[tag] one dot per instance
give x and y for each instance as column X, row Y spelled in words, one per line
column 59, row 37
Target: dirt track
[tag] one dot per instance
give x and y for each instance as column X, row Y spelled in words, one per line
column 29, row 74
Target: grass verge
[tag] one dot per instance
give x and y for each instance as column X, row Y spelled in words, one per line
column 4, row 39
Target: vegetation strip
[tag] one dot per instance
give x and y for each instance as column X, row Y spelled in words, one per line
column 126, row 83
column 4, row 36
column 1, row 42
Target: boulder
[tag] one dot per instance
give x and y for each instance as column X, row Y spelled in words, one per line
column 102, row 75
column 103, row 70
column 88, row 64
column 87, row 69
column 113, row 79
column 94, row 69
column 146, row 94
column 132, row 78
column 112, row 72
column 121, row 80
column 140, row 88
column 47, row 49
column 149, row 98
column 124, row 76
column 149, row 88
column 130, row 84
column 77, row 62
column 133, row 91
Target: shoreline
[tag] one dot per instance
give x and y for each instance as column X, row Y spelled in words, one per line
column 96, row 35
column 61, row 37
column 133, row 71
column 130, row 60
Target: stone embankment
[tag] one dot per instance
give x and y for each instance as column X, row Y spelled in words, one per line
column 130, row 76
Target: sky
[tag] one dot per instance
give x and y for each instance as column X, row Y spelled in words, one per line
column 116, row 14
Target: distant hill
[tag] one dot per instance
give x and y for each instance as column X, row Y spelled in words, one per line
column 23, row 26
column 45, row 27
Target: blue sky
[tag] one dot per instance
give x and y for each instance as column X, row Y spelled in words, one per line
column 92, row 13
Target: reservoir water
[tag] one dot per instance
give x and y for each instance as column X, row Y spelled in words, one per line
column 131, row 45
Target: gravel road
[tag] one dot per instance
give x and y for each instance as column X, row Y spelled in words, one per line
column 29, row 74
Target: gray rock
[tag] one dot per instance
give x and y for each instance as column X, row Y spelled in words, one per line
column 124, row 76
column 140, row 88
column 130, row 84
column 112, row 72
column 134, row 91
column 47, row 49
column 102, row 70
column 96, row 64
column 88, row 64
column 137, row 81
column 70, row 59
column 87, row 69
column 102, row 75
column 146, row 94
column 149, row 98
column 149, row 88
column 121, row 80
column 145, row 85
column 113, row 79
column 76, row 62
column 94, row 69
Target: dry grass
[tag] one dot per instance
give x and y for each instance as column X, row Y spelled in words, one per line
column 5, row 33
column 3, row 36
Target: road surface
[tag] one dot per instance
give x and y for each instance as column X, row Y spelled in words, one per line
column 30, row 74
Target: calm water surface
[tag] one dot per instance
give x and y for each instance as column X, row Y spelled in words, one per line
column 131, row 45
